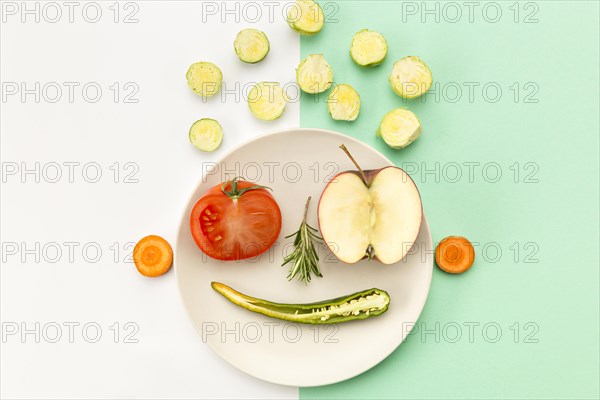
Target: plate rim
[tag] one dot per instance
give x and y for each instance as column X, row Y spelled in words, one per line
column 184, row 217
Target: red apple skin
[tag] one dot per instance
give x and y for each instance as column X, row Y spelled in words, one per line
column 370, row 175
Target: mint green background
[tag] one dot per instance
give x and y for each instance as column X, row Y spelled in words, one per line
column 559, row 213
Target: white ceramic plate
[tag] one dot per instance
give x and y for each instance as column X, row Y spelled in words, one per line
column 295, row 164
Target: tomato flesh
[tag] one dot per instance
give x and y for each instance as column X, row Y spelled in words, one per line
column 234, row 229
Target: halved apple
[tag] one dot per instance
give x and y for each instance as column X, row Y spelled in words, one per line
column 374, row 214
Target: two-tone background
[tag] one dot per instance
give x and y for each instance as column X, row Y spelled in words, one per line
column 94, row 154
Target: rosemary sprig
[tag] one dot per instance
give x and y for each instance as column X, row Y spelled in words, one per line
column 304, row 258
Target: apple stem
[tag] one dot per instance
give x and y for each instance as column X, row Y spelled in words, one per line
column 306, row 208
column 362, row 174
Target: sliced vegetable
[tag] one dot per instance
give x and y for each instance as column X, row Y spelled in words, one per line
column 204, row 78
column 206, row 134
column 235, row 220
column 267, row 100
column 343, row 103
column 306, row 17
column 251, row 45
column 410, row 77
column 455, row 254
column 360, row 305
column 305, row 258
column 368, row 48
column 314, row 74
column 152, row 256
column 399, row 128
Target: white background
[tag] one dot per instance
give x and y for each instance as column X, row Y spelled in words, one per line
column 169, row 360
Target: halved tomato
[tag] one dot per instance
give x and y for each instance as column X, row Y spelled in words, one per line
column 235, row 220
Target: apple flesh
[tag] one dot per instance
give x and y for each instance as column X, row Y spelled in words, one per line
column 374, row 213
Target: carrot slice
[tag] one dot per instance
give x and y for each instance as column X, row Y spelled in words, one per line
column 454, row 254
column 153, row 256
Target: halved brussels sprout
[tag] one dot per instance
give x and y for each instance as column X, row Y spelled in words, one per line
column 410, row 77
column 399, row 128
column 343, row 103
column 251, row 45
column 368, row 48
column 204, row 78
column 267, row 100
column 206, row 134
column 306, row 17
column 314, row 74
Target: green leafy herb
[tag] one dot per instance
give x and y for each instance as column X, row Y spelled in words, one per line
column 304, row 258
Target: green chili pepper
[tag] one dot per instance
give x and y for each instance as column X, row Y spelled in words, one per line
column 360, row 305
